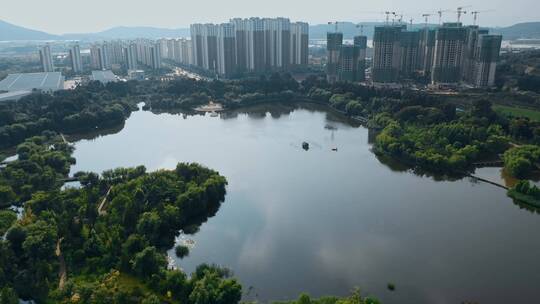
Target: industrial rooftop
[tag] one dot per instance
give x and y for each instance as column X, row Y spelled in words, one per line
column 104, row 76
column 50, row 81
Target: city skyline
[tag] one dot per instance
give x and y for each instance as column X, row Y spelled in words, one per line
column 54, row 20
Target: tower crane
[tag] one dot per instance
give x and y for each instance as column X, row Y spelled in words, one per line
column 440, row 13
column 460, row 11
column 475, row 14
column 387, row 13
column 426, row 16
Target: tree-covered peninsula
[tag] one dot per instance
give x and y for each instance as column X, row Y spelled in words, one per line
column 106, row 241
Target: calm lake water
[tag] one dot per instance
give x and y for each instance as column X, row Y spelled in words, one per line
column 324, row 222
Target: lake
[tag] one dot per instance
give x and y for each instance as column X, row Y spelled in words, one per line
column 323, row 221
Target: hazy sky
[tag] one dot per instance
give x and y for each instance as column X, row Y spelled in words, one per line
column 70, row 16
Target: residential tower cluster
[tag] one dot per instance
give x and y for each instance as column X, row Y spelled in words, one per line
column 447, row 55
column 131, row 54
column 345, row 62
column 254, row 45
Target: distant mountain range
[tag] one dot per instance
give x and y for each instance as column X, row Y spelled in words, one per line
column 520, row 30
column 125, row 32
column 11, row 32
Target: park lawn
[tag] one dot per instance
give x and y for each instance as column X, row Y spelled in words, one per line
column 517, row 112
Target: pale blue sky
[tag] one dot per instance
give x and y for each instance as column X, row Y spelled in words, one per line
column 69, row 16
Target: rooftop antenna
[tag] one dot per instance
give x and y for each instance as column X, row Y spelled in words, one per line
column 411, row 21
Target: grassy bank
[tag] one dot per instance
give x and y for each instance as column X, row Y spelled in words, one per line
column 517, row 112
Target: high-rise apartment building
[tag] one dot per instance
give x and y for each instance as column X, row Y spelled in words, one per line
column 386, row 53
column 181, row 51
column 210, row 47
column 226, row 49
column 361, row 42
column 177, row 50
column 334, row 41
column 187, row 51
column 347, row 69
column 299, row 44
column 241, row 37
column 46, row 59
column 204, row 37
column 147, row 53
column 345, row 62
column 471, row 41
column 258, row 45
column 277, row 35
column 155, row 56
column 130, row 55
column 100, row 57
column 115, row 52
column 250, row 44
column 409, row 56
column 75, row 56
column 448, row 53
column 486, row 57
column 427, row 46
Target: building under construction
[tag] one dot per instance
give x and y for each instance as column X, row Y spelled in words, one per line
column 346, row 62
column 409, row 53
column 334, row 41
column 485, row 60
column 386, row 53
column 427, row 46
column 360, row 42
column 449, row 54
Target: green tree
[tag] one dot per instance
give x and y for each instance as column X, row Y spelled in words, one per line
column 8, row 296
column 181, row 251
column 151, row 299
column 148, row 262
column 7, row 196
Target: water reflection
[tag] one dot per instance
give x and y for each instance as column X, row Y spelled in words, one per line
column 95, row 134
column 324, row 222
column 527, row 207
column 397, row 166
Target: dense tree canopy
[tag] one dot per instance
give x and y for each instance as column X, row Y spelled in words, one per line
column 442, row 146
column 521, row 161
column 83, row 109
column 114, row 228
